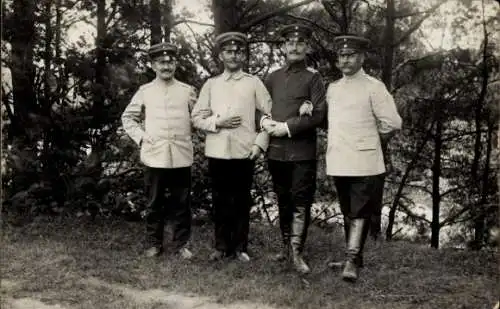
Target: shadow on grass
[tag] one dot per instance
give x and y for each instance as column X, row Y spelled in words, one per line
column 50, row 257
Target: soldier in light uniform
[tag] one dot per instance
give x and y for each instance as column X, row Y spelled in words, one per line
column 292, row 148
column 362, row 116
column 232, row 143
column 166, row 148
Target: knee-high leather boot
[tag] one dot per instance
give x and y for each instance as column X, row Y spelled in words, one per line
column 300, row 224
column 357, row 236
column 347, row 226
column 285, row 228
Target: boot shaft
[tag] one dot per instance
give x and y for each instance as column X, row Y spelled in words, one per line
column 358, row 231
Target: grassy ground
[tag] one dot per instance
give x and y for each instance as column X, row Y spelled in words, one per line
column 78, row 263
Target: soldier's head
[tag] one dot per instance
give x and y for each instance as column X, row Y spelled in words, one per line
column 351, row 53
column 231, row 47
column 295, row 41
column 163, row 60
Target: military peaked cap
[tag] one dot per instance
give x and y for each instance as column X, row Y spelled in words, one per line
column 161, row 49
column 295, row 31
column 230, row 38
column 351, row 42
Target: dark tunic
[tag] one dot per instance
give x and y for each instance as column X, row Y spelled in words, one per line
column 289, row 87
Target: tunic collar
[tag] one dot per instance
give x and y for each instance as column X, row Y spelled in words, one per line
column 164, row 83
column 295, row 66
column 232, row 75
column 355, row 76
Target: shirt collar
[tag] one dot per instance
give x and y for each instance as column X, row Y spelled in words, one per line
column 232, row 75
column 295, row 66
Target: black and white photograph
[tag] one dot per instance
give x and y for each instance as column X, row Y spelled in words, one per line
column 250, row 154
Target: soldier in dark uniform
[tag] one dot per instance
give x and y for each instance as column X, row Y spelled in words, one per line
column 292, row 148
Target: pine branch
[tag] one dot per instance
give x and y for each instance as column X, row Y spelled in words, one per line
column 190, row 21
column 307, row 20
column 272, row 14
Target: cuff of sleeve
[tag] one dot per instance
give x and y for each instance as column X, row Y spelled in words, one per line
column 212, row 121
column 288, row 130
column 262, row 120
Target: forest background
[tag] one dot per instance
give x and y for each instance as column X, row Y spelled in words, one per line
column 69, row 68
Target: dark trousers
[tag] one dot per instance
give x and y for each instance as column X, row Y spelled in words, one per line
column 360, row 196
column 360, row 201
column 231, row 184
column 295, row 184
column 177, row 206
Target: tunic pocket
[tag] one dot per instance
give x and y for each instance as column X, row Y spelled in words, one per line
column 367, row 143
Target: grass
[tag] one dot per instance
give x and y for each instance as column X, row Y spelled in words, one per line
column 56, row 260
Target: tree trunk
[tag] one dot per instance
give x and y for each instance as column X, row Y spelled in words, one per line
column 24, row 100
column 57, row 45
column 436, row 175
column 47, row 55
column 99, row 87
column 23, row 70
column 46, row 102
column 345, row 21
column 388, row 44
column 61, row 80
column 477, row 211
column 168, row 19
column 480, row 215
column 225, row 15
column 155, row 21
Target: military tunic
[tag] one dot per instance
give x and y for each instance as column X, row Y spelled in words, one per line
column 359, row 108
column 290, row 86
column 167, row 120
column 237, row 94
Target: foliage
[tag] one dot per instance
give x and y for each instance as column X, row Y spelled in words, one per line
column 67, row 151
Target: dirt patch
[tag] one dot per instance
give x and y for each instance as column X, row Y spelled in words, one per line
column 171, row 300
column 161, row 298
column 29, row 303
column 6, row 286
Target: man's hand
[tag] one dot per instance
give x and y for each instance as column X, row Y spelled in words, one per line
column 228, row 122
column 279, row 129
column 306, row 108
column 268, row 124
column 146, row 138
column 255, row 152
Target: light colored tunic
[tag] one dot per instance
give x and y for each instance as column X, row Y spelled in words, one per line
column 166, row 107
column 359, row 108
column 237, row 94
